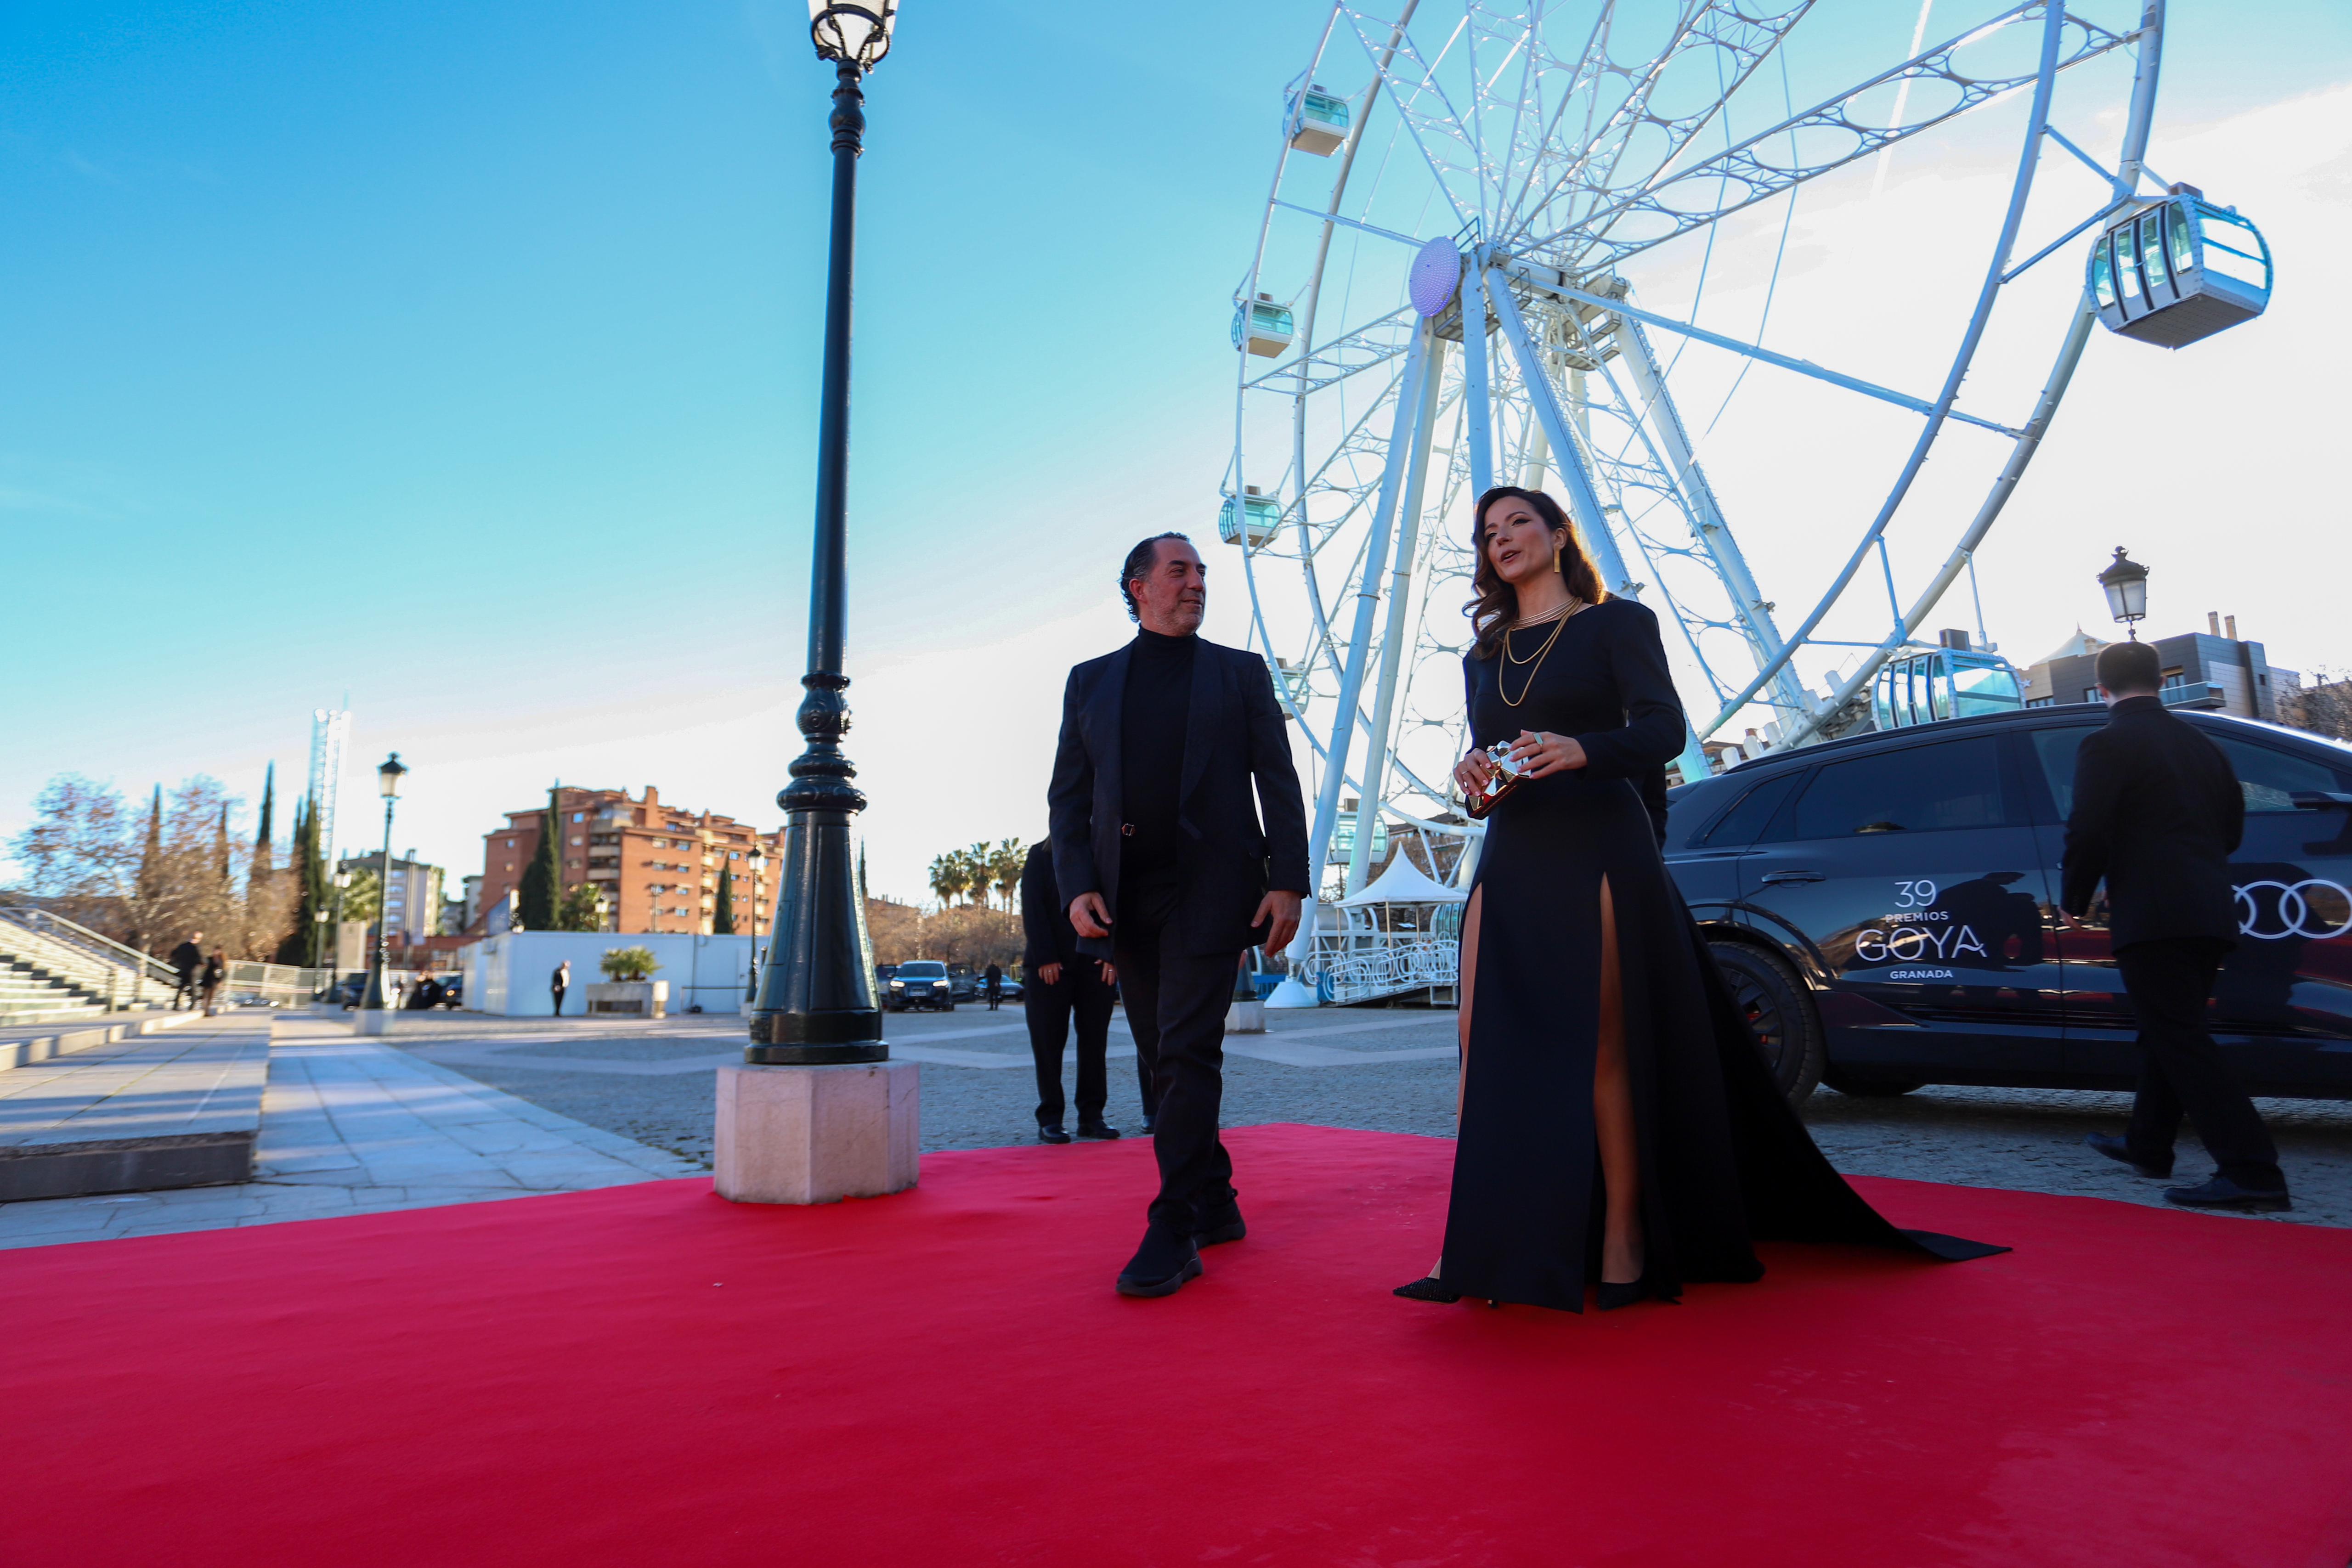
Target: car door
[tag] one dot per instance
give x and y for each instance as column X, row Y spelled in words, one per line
column 2283, row 1006
column 1912, row 875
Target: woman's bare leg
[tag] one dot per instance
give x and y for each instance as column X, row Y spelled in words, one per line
column 1612, row 1117
column 1462, row 1014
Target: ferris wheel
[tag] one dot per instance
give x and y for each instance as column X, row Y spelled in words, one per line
column 1510, row 241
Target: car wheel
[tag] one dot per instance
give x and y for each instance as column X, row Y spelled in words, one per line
column 1870, row 1087
column 1780, row 1008
column 952, row 1006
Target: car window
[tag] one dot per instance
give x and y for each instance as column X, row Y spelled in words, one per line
column 2270, row 777
column 2056, row 749
column 1746, row 821
column 1919, row 789
column 923, row 971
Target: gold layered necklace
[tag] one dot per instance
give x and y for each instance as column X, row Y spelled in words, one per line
column 1559, row 619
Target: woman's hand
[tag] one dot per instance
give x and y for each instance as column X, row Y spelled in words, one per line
column 1471, row 774
column 1543, row 754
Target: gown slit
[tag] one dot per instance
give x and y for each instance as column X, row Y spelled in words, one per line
column 1720, row 1157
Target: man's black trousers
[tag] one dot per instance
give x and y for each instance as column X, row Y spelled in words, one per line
column 2182, row 1070
column 1081, row 994
column 557, row 992
column 1176, row 1006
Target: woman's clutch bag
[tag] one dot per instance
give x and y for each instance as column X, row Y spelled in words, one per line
column 1511, row 771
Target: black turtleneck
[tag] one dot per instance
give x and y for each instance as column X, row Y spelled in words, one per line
column 1157, row 702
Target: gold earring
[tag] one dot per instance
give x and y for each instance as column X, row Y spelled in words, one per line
column 1555, row 558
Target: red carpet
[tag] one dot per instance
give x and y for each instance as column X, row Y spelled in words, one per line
column 650, row 1376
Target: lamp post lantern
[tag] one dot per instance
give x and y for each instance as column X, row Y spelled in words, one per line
column 2126, row 582
column 387, row 778
column 814, row 1002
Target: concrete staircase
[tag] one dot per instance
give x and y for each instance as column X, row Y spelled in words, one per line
column 52, row 970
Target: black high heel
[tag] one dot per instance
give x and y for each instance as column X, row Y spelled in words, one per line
column 1610, row 1297
column 1427, row 1289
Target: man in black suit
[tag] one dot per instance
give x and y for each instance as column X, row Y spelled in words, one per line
column 186, row 959
column 1159, row 849
column 1063, row 984
column 2157, row 813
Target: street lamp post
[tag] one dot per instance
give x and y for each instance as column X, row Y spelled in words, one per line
column 815, row 1002
column 2126, row 583
column 371, row 1006
column 757, row 860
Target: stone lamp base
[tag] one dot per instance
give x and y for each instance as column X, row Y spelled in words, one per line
column 817, row 1135
column 372, row 1020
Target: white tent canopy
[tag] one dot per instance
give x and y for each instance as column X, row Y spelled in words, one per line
column 1403, row 883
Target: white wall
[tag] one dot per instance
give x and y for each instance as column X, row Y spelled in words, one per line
column 507, row 973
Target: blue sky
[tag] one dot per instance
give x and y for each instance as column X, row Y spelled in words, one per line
column 463, row 357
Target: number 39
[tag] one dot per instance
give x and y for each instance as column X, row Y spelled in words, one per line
column 1914, row 894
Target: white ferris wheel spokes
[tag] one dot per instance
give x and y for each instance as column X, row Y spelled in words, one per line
column 1447, row 293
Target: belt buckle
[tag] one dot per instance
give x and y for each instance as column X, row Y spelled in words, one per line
column 1126, row 830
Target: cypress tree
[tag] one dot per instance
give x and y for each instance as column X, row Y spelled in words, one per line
column 148, row 891
column 541, row 880
column 263, row 861
column 722, row 913
column 311, row 896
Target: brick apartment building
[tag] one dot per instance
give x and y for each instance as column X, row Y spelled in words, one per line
column 657, row 866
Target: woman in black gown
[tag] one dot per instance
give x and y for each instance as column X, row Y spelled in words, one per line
column 1619, row 1124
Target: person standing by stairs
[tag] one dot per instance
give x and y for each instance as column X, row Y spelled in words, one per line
column 208, row 986
column 186, row 959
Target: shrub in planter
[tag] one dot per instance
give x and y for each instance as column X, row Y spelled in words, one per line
column 624, row 964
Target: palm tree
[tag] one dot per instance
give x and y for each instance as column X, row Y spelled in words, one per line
column 949, row 876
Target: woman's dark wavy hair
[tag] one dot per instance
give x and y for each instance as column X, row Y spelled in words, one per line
column 1497, row 602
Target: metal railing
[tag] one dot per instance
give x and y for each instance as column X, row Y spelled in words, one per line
column 118, row 977
column 123, row 977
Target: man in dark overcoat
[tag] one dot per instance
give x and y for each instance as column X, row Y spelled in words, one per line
column 186, row 959
column 1179, row 840
column 1063, row 986
column 2158, row 813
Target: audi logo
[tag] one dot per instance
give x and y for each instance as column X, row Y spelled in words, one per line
column 2275, row 911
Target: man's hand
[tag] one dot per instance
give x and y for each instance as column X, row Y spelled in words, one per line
column 1282, row 908
column 1049, row 974
column 2072, row 924
column 1109, row 971
column 1091, row 914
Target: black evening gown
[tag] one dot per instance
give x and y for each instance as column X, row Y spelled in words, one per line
column 1723, row 1159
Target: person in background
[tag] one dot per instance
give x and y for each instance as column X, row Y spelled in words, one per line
column 208, row 986
column 186, row 959
column 559, row 983
column 1063, row 985
column 993, row 983
column 2158, row 813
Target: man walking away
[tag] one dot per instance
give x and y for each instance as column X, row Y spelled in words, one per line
column 1171, row 869
column 1063, row 984
column 559, row 983
column 2157, row 813
column 186, row 959
column 209, row 984
column 993, row 981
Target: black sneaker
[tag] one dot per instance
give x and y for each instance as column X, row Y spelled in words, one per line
column 1051, row 1133
column 1161, row 1266
column 2224, row 1193
column 2114, row 1148
column 1219, row 1224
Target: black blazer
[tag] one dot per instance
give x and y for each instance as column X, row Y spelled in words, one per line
column 1234, row 738
column 1046, row 934
column 2157, row 813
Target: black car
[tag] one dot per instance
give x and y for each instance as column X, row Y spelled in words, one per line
column 1886, row 908
column 919, row 983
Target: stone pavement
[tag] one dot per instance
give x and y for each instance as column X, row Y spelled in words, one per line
column 355, row 1126
column 1385, row 1070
